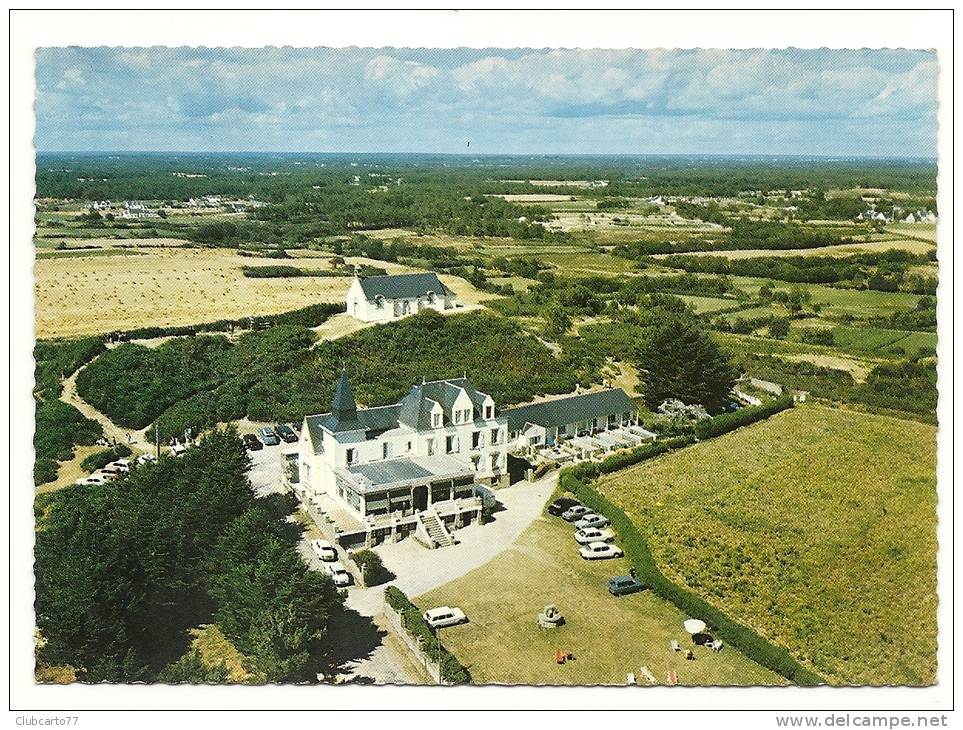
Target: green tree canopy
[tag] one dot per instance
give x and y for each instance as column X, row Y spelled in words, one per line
column 681, row 361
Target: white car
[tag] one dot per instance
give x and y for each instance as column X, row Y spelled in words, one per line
column 600, row 551
column 324, row 550
column 94, row 480
column 339, row 575
column 146, row 459
column 591, row 520
column 574, row 513
column 444, row 616
column 587, row 535
column 122, row 464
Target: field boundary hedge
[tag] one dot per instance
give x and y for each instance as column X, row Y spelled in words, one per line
column 578, row 480
column 450, row 669
column 726, row 422
column 310, row 316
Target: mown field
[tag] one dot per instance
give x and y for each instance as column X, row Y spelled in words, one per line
column 609, row 637
column 91, row 294
column 816, row 527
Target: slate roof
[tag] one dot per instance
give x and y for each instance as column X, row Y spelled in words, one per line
column 402, row 286
column 414, row 410
column 396, row 472
column 562, row 411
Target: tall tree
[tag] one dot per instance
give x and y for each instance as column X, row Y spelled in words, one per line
column 680, row 360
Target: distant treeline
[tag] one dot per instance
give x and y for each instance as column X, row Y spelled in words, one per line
column 882, row 271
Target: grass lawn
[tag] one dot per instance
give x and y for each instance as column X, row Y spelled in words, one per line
column 816, row 527
column 609, row 637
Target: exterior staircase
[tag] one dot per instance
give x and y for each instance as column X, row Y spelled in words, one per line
column 432, row 531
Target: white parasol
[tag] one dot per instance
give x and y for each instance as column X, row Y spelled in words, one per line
column 694, row 626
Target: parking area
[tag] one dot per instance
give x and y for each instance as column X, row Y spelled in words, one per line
column 607, row 637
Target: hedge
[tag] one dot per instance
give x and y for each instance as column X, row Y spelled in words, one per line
column 576, row 479
column 310, row 316
column 452, row 671
column 622, row 459
column 726, row 422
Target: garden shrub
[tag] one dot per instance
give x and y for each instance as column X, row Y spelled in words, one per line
column 372, row 568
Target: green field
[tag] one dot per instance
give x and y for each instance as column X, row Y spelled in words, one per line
column 610, row 637
column 817, row 528
column 708, row 304
column 878, row 341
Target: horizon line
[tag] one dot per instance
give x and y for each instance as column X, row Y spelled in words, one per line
column 859, row 156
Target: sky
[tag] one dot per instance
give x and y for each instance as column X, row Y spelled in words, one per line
column 488, row 101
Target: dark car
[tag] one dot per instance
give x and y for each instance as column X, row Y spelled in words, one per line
column 296, row 427
column 622, row 585
column 285, row 432
column 252, row 442
column 562, row 504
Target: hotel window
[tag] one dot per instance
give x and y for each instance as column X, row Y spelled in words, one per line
column 476, row 439
column 431, row 447
column 488, row 413
column 467, row 414
column 457, row 416
column 494, row 436
column 349, row 456
column 451, row 444
column 409, row 447
column 437, row 420
column 495, row 461
column 384, row 450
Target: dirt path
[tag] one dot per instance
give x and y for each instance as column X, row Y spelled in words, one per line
column 111, row 430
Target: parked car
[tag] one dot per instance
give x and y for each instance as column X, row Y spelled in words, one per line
column 585, row 535
column 252, row 442
column 622, row 585
column 560, row 505
column 112, row 471
column 591, row 520
column 122, row 464
column 94, row 480
column 600, row 551
column 324, row 550
column 339, row 575
column 268, row 436
column 296, row 427
column 146, row 459
column 575, row 513
column 444, row 616
column 178, row 449
column 286, row 433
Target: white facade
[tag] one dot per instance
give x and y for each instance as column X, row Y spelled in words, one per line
column 387, row 298
column 377, row 458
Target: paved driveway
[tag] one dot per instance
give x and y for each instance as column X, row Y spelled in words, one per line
column 418, row 570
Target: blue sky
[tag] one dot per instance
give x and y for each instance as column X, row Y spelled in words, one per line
column 524, row 101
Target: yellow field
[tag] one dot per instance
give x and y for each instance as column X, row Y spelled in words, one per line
column 167, row 287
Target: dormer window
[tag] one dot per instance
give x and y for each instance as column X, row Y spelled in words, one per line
column 384, row 450
column 436, row 420
column 431, row 297
column 379, row 302
column 488, row 413
column 457, row 415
